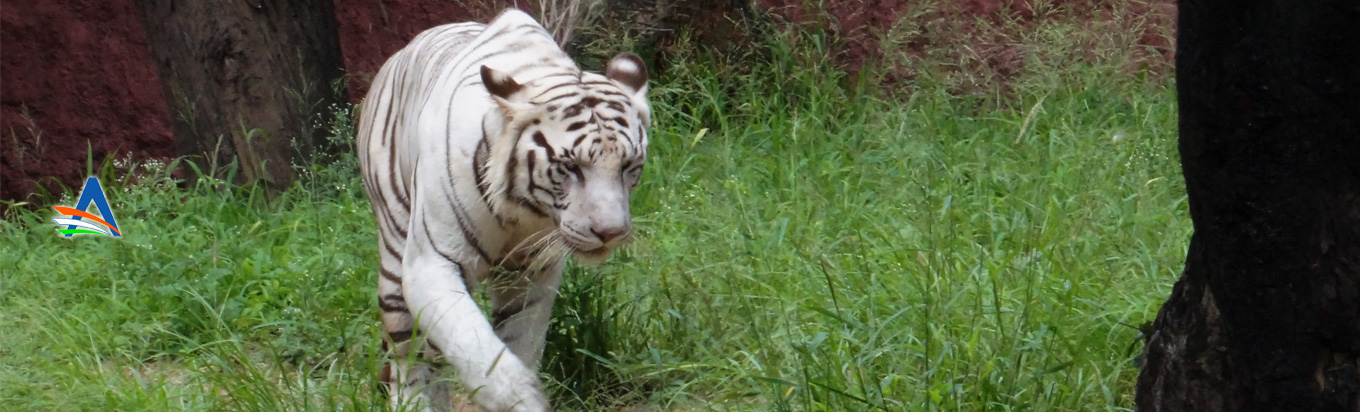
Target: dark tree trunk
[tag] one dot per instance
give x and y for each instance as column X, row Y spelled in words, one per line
column 249, row 80
column 1266, row 316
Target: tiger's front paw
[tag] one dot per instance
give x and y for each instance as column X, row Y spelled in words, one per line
column 536, row 402
column 511, row 387
column 525, row 399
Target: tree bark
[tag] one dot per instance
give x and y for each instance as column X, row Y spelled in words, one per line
column 1266, row 316
column 250, row 80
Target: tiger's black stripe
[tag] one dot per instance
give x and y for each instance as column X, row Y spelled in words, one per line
column 510, row 169
column 562, row 96
column 393, row 303
column 399, row 336
column 391, row 249
column 468, row 234
column 550, row 89
column 462, row 274
column 543, row 142
column 479, row 169
column 387, row 274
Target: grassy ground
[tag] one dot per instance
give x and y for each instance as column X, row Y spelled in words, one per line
column 799, row 246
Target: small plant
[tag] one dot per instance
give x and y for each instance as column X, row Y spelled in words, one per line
column 563, row 18
column 337, row 173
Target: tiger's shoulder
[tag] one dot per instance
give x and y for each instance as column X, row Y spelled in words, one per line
column 514, row 16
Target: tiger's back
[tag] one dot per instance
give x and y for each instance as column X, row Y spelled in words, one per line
column 385, row 137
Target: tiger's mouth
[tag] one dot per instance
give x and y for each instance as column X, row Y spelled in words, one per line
column 584, row 250
column 593, row 256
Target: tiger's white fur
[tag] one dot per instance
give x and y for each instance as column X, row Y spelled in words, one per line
column 483, row 146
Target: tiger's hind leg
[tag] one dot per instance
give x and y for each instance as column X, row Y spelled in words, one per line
column 413, row 378
column 415, row 381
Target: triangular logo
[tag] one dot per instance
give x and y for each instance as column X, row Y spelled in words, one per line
column 78, row 221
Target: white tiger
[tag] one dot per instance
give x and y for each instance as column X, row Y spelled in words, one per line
column 483, row 146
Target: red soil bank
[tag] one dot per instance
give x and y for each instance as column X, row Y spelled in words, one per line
column 80, row 71
column 975, row 26
column 74, row 74
column 371, row 31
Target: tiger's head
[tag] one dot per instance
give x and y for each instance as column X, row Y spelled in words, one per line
column 571, row 150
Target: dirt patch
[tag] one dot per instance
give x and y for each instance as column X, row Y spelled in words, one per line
column 75, row 75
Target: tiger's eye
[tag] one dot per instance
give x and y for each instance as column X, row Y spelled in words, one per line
column 574, row 169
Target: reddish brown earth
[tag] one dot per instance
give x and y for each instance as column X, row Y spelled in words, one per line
column 982, row 37
column 371, row 31
column 74, row 75
column 80, row 71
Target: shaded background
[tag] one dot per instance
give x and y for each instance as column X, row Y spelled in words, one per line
column 77, row 79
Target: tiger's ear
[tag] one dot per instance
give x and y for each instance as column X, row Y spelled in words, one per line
column 499, row 84
column 629, row 71
column 502, row 87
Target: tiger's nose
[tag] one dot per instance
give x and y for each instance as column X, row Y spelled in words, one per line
column 608, row 234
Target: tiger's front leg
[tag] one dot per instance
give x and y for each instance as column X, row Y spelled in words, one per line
column 449, row 318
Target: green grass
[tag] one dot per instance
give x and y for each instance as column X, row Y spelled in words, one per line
column 799, row 246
